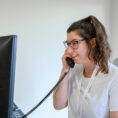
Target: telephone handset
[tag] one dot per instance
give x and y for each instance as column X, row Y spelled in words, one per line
column 70, row 62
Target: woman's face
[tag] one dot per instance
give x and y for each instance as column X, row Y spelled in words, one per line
column 79, row 55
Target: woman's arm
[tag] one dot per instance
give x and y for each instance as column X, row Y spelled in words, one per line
column 114, row 114
column 60, row 95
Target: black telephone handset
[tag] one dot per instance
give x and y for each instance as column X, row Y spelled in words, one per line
column 70, row 62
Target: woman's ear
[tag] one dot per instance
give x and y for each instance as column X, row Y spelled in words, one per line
column 93, row 42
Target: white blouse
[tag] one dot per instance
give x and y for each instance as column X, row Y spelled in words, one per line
column 101, row 98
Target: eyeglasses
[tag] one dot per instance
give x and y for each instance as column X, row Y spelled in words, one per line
column 73, row 43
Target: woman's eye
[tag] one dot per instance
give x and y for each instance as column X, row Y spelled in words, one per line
column 75, row 42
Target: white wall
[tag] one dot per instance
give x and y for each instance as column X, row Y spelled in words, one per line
column 114, row 28
column 41, row 28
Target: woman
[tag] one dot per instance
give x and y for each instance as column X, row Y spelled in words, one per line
column 90, row 90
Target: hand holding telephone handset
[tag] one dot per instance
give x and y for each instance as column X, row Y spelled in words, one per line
column 71, row 63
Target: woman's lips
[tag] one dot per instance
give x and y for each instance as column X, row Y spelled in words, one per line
column 75, row 56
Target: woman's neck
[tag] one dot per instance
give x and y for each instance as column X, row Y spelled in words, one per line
column 88, row 69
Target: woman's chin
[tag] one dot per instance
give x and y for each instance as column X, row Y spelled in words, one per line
column 76, row 61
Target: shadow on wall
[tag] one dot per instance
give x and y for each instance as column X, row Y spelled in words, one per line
column 115, row 62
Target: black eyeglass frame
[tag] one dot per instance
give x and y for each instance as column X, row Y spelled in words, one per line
column 67, row 44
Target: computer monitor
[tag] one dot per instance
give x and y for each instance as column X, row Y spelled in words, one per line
column 7, row 74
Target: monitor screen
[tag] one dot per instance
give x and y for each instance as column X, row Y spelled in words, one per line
column 7, row 74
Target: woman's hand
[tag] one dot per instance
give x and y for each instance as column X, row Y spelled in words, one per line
column 65, row 64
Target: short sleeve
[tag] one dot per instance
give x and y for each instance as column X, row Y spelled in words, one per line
column 114, row 94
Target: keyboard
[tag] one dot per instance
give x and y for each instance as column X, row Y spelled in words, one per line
column 17, row 113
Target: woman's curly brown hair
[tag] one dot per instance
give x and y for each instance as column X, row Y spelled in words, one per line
column 89, row 28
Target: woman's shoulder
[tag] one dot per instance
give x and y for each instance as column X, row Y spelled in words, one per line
column 113, row 69
column 113, row 72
